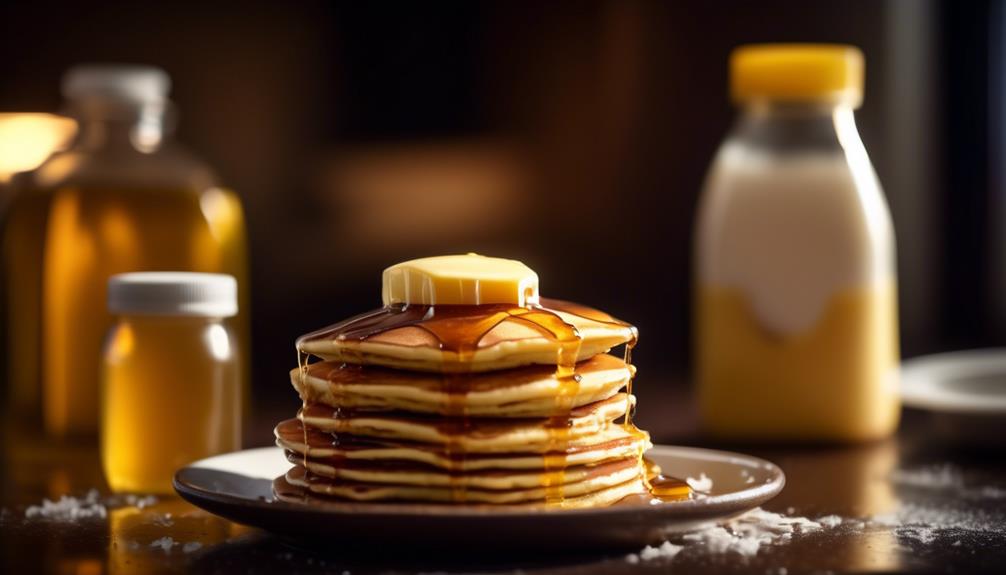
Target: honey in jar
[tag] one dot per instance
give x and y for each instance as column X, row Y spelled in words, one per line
column 123, row 198
column 171, row 390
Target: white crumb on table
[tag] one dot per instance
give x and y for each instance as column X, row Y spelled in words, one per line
column 92, row 505
column 830, row 520
column 921, row 524
column 69, row 509
column 945, row 477
column 744, row 535
column 164, row 544
column 665, row 550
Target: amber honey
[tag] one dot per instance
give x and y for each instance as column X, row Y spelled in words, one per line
column 171, row 395
column 122, row 198
column 60, row 250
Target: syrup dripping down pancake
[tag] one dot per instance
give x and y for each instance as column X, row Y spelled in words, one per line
column 611, row 443
column 398, row 473
column 462, row 339
column 522, row 392
column 475, row 435
column 600, row 489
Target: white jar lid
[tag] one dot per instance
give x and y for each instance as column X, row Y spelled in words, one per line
column 173, row 293
column 120, row 82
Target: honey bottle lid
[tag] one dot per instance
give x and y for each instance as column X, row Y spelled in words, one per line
column 116, row 82
column 173, row 293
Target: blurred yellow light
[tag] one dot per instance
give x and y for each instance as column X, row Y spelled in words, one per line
column 26, row 140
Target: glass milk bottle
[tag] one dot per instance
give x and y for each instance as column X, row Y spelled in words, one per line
column 125, row 197
column 171, row 382
column 795, row 305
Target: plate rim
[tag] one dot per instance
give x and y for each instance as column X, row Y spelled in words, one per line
column 921, row 376
column 761, row 493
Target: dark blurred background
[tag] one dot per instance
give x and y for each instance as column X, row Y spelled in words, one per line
column 571, row 135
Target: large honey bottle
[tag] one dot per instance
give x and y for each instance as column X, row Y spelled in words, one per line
column 796, row 319
column 123, row 198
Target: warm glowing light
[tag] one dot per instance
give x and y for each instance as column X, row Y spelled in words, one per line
column 219, row 342
column 26, row 140
column 222, row 210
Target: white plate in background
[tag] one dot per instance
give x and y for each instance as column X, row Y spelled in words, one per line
column 965, row 391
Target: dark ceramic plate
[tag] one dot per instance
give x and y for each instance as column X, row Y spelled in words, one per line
column 238, row 486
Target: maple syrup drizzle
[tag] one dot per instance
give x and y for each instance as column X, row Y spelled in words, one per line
column 453, row 385
column 460, row 329
column 659, row 487
column 554, row 460
column 302, row 362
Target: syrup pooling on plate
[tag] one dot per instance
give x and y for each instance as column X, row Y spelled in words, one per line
column 663, row 488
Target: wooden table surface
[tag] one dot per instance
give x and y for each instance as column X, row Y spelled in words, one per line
column 956, row 496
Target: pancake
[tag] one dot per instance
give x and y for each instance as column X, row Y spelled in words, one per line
column 612, row 443
column 475, row 435
column 466, row 388
column 523, row 392
column 412, row 338
column 602, row 488
column 395, row 473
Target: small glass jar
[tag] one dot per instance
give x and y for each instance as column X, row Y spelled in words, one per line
column 171, row 382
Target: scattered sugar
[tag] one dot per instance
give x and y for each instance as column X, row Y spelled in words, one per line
column 830, row 520
column 91, row 506
column 163, row 520
column 945, row 477
column 933, row 477
column 703, row 483
column 164, row 543
column 141, row 501
column 68, row 508
column 911, row 522
column 666, row 550
column 924, row 524
column 744, row 535
column 192, row 546
column 991, row 492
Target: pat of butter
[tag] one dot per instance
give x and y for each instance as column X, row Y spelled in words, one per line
column 460, row 280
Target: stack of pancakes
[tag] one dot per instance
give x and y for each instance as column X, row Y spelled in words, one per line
column 481, row 404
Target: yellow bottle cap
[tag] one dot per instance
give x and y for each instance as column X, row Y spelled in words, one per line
column 468, row 279
column 797, row 73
